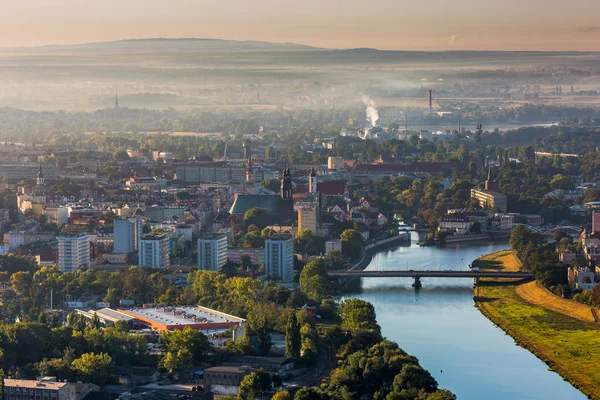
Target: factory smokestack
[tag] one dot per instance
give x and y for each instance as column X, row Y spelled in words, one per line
column 430, row 101
column 372, row 113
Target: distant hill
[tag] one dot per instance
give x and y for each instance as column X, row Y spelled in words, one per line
column 178, row 45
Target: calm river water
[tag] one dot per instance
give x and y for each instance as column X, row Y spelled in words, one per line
column 440, row 325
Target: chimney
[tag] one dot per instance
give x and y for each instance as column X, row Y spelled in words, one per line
column 430, row 101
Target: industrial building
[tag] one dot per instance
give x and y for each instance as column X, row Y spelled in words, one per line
column 162, row 318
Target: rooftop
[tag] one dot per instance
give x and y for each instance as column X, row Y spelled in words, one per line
column 186, row 315
column 154, row 236
column 244, row 202
column 229, row 369
column 33, row 384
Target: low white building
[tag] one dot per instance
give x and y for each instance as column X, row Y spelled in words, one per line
column 333, row 245
column 581, row 278
column 455, row 224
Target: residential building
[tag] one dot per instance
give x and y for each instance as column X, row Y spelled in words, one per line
column 154, row 251
column 224, row 380
column 595, row 221
column 307, row 219
column 27, row 171
column 456, row 224
column 124, row 236
column 211, row 173
column 333, row 245
column 42, row 389
column 279, row 257
column 336, row 163
column 212, row 252
column 257, row 256
column 581, row 278
column 490, row 199
column 73, row 252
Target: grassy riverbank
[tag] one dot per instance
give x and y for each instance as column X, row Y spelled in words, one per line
column 568, row 345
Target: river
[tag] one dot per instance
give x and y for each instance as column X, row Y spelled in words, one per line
column 440, row 325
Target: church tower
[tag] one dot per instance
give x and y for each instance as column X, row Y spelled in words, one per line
column 286, row 185
column 249, row 171
column 40, row 177
column 312, row 181
column 490, row 183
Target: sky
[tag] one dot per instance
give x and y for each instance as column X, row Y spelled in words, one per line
column 384, row 24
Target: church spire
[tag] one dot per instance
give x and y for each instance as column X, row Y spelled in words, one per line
column 40, row 176
column 116, row 99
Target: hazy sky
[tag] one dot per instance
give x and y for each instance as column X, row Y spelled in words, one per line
column 385, row 24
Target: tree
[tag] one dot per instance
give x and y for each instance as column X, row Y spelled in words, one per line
column 282, row 395
column 271, row 184
column 314, row 281
column 188, row 339
column 414, row 377
column 2, row 384
column 260, row 322
column 308, row 242
column 562, row 182
column 357, row 314
column 596, row 295
column 352, row 243
column 91, row 367
column 293, row 341
column 257, row 216
column 121, row 156
column 176, row 361
column 250, row 387
column 520, row 237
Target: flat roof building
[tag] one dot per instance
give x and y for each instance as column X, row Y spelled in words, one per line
column 490, row 199
column 162, row 318
column 46, row 389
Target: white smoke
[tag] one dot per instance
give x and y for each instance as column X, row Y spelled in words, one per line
column 372, row 113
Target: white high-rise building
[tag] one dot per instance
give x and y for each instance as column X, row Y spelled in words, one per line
column 124, row 235
column 154, row 251
column 127, row 235
column 279, row 257
column 212, row 252
column 73, row 252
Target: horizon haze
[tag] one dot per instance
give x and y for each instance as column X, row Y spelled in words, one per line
column 382, row 24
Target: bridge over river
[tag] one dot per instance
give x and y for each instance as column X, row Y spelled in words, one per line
column 417, row 275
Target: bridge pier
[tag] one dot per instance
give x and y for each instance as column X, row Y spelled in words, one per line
column 476, row 282
column 417, row 285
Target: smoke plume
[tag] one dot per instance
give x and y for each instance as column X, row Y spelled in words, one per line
column 372, row 113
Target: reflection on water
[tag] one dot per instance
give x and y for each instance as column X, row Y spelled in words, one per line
column 440, row 325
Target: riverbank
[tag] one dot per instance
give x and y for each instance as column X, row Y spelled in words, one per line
column 380, row 245
column 569, row 346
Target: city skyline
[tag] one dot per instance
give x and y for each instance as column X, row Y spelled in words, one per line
column 382, row 24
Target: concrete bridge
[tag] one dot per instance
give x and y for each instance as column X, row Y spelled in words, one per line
column 417, row 275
